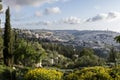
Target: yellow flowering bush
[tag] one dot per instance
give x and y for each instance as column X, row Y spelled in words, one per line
column 92, row 73
column 115, row 73
column 43, row 74
column 95, row 73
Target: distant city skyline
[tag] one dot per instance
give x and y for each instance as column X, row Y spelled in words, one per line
column 64, row 14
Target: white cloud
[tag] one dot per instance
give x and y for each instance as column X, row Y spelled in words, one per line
column 108, row 16
column 71, row 20
column 97, row 18
column 13, row 3
column 54, row 10
column 113, row 15
column 26, row 2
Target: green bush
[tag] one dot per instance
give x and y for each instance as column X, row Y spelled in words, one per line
column 43, row 74
column 115, row 73
column 71, row 76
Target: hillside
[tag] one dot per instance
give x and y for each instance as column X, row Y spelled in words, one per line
column 81, row 38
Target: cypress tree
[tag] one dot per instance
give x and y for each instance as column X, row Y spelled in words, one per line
column 7, row 51
column 1, row 41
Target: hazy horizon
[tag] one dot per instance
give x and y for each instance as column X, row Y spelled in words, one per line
column 64, row 14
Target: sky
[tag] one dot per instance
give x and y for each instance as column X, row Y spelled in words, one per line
column 63, row 14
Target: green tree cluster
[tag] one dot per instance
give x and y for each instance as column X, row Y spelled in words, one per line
column 28, row 53
column 88, row 58
column 76, row 56
column 114, row 56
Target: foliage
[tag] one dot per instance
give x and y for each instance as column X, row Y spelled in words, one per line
column 76, row 57
column 8, row 43
column 66, row 50
column 43, row 74
column 55, row 59
column 1, row 44
column 115, row 73
column 86, row 52
column 87, row 61
column 116, row 55
column 117, row 38
column 112, row 56
column 95, row 73
column 28, row 53
column 20, row 72
column 7, row 73
column 88, row 58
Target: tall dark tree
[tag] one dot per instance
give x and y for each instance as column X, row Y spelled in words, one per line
column 112, row 56
column 7, row 51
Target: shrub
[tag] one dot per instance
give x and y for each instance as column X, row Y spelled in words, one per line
column 43, row 74
column 7, row 73
column 71, row 76
column 115, row 73
column 91, row 73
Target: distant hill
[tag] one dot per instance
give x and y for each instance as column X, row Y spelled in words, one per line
column 97, row 38
column 86, row 38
